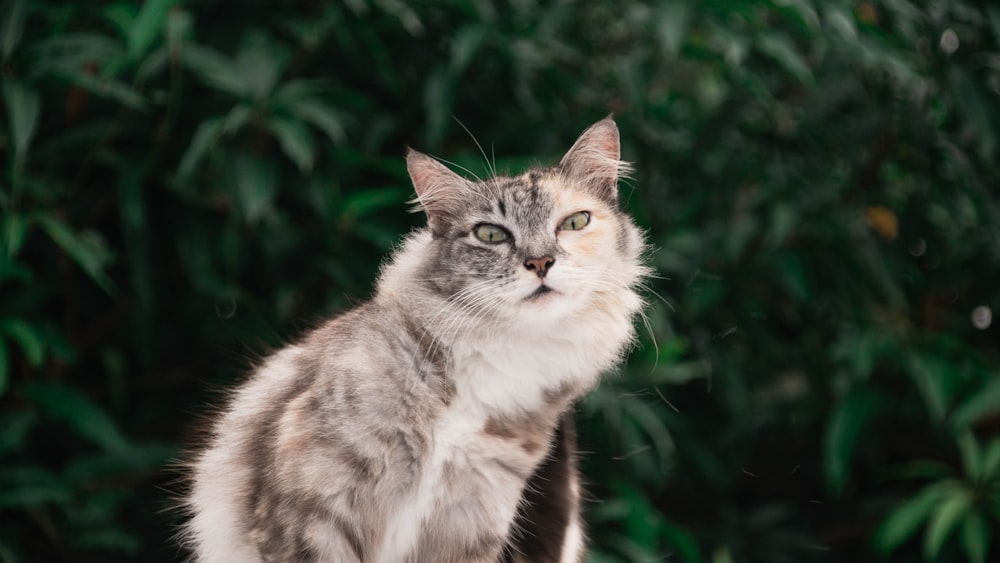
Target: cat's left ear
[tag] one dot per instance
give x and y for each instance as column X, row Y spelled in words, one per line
column 595, row 160
column 439, row 190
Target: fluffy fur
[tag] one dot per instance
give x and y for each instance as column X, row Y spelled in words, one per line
column 422, row 425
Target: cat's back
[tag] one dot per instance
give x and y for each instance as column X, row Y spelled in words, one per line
column 323, row 421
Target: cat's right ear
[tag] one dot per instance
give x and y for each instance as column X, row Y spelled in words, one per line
column 595, row 159
column 439, row 190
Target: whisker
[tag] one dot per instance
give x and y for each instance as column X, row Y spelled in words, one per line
column 460, row 167
column 665, row 400
column 491, row 168
column 646, row 287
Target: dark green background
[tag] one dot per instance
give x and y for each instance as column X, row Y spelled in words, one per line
column 187, row 185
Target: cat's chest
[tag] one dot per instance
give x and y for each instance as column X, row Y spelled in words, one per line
column 469, row 482
column 483, row 447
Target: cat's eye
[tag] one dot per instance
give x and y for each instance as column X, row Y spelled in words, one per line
column 490, row 233
column 576, row 221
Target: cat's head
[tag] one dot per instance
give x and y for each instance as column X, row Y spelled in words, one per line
column 536, row 247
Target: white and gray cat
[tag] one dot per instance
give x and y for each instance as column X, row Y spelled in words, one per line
column 431, row 424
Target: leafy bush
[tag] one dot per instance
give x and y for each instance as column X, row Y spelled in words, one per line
column 190, row 184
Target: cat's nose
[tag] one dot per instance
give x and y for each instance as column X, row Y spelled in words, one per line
column 540, row 265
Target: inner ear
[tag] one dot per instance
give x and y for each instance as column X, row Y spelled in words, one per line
column 595, row 159
column 440, row 192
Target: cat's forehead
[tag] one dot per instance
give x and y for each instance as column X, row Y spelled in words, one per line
column 524, row 190
column 530, row 197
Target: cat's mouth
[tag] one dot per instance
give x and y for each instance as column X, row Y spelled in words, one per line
column 542, row 290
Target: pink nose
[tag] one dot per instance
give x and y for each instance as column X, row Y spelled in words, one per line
column 540, row 265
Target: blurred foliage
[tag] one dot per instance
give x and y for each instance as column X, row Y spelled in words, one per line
column 188, row 184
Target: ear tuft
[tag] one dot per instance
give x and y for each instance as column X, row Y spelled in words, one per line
column 595, row 159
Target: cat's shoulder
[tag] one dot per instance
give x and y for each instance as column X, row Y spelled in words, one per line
column 374, row 347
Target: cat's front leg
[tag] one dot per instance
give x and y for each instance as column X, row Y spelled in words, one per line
column 548, row 527
column 463, row 531
column 303, row 532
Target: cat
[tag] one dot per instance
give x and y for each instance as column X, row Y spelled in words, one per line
column 433, row 423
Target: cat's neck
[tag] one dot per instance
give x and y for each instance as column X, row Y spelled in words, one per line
column 502, row 362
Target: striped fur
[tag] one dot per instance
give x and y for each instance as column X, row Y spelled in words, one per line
column 430, row 423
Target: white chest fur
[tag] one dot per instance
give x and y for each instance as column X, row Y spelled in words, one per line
column 457, row 449
column 464, row 462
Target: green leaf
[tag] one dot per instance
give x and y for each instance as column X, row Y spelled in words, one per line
column 672, row 20
column 152, row 64
column 930, row 374
column 15, row 228
column 633, row 551
column 862, row 348
column 148, row 24
column 256, row 184
column 906, row 518
column 683, row 542
column 804, row 10
column 215, row 70
column 722, row 555
column 121, row 15
column 841, row 21
column 23, row 108
column 204, row 140
column 67, row 54
column 32, row 495
column 260, row 62
column 681, row 372
column 12, row 16
column 139, row 459
column 780, row 48
column 783, row 221
column 106, row 87
column 23, row 486
column 30, row 341
column 968, row 447
column 983, row 403
column 366, row 201
column 989, row 463
column 237, row 118
column 10, row 271
column 300, row 90
column 14, row 428
column 978, row 108
column 923, row 469
column 179, row 25
column 295, row 141
column 88, row 249
column 83, row 416
column 320, row 116
column 596, row 555
column 648, row 418
column 848, row 423
column 465, row 43
column 949, row 513
column 793, row 275
column 975, row 537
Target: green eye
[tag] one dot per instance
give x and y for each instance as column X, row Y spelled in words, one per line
column 576, row 221
column 490, row 233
